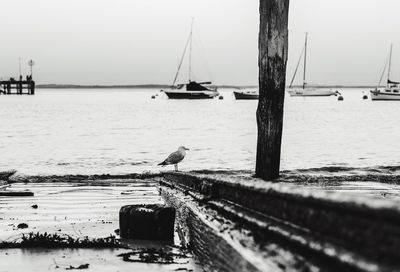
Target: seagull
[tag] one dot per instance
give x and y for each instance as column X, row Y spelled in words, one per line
column 175, row 157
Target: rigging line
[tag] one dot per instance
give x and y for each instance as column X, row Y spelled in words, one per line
column 203, row 57
column 203, row 53
column 390, row 61
column 297, row 67
column 383, row 73
column 305, row 61
column 180, row 63
column 190, row 50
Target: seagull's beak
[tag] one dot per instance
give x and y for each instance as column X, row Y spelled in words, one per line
column 187, row 148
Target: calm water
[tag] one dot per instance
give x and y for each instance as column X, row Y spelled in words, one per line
column 124, row 131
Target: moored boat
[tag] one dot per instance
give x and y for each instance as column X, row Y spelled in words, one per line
column 306, row 91
column 192, row 89
column 246, row 95
column 392, row 89
column 311, row 92
column 386, row 94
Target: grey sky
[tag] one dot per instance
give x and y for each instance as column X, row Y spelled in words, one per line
column 140, row 41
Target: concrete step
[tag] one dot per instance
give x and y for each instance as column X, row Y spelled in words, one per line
column 329, row 229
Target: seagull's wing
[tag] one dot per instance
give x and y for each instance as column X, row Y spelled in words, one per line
column 173, row 158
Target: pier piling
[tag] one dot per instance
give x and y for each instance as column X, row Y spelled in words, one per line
column 273, row 52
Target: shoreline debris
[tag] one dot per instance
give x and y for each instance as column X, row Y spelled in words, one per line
column 22, row 226
column 82, row 266
column 154, row 255
column 47, row 240
column 5, row 175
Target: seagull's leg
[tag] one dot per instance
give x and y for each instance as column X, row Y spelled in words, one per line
column 176, row 167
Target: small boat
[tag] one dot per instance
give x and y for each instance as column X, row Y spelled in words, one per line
column 311, row 92
column 392, row 89
column 246, row 95
column 192, row 89
column 305, row 91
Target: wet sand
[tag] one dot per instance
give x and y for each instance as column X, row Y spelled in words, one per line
column 73, row 209
column 78, row 209
column 99, row 260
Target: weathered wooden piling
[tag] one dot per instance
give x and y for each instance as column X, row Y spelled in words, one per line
column 273, row 52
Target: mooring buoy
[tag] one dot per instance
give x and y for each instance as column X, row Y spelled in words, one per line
column 220, row 97
column 153, row 97
column 365, row 96
column 340, row 98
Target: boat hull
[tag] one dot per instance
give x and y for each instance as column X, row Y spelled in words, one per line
column 245, row 96
column 311, row 92
column 387, row 96
column 190, row 94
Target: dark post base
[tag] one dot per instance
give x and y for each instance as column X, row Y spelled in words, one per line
column 148, row 222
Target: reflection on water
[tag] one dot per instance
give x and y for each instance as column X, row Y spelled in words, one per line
column 124, row 131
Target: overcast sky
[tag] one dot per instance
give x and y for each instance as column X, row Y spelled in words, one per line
column 140, row 41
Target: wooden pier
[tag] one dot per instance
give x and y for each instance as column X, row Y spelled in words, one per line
column 20, row 87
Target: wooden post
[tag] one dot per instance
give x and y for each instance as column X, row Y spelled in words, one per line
column 273, row 51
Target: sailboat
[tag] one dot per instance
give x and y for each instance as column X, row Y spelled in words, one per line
column 392, row 89
column 306, row 91
column 192, row 89
column 246, row 94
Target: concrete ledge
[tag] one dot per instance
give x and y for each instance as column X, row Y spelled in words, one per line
column 222, row 245
column 333, row 229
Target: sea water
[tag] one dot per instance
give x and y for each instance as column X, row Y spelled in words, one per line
column 117, row 131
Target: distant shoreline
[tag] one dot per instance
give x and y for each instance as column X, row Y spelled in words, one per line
column 163, row 86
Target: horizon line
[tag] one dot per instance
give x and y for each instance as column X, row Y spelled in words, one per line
column 133, row 86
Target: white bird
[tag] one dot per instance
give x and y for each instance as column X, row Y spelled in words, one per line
column 175, row 157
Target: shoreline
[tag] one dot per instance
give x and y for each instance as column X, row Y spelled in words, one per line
column 165, row 86
column 323, row 176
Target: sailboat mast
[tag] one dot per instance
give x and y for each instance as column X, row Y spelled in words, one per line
column 190, row 52
column 181, row 61
column 390, row 63
column 305, row 62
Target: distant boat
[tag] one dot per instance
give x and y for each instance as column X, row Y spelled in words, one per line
column 311, row 92
column 246, row 95
column 392, row 89
column 192, row 89
column 305, row 91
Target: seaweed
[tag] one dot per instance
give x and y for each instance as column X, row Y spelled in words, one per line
column 47, row 240
column 154, row 255
column 82, row 266
column 85, row 178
